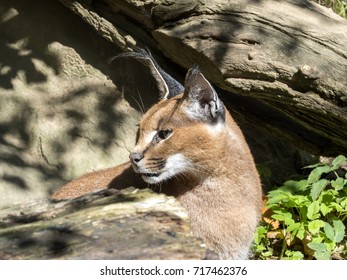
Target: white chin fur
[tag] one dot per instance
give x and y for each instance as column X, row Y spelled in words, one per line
column 156, row 179
column 175, row 165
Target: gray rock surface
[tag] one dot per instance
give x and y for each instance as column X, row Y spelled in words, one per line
column 129, row 224
column 284, row 62
column 60, row 114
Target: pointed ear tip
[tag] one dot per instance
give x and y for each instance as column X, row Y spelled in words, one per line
column 194, row 71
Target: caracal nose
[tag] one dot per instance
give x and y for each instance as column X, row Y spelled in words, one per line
column 135, row 157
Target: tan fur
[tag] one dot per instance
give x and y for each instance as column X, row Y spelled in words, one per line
column 119, row 177
column 219, row 186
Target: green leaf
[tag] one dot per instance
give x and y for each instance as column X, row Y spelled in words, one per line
column 312, row 210
column 332, row 192
column 317, row 239
column 339, row 229
column 289, row 221
column 323, row 255
column 337, row 207
column 301, row 232
column 297, row 255
column 343, row 203
column 313, row 165
column 330, row 245
column 259, row 234
column 318, row 187
column 315, row 225
column 278, row 217
column 260, row 248
column 328, row 197
column 267, row 254
column 293, row 255
column 285, row 217
column 302, row 185
column 338, row 161
column 317, row 172
column 338, row 184
column 293, row 229
column 276, row 196
column 329, row 231
column 294, row 186
column 317, row 246
column 325, row 209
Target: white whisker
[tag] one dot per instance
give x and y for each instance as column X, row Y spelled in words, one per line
column 141, row 101
column 139, row 105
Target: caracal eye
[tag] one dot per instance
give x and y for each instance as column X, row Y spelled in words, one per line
column 163, row 134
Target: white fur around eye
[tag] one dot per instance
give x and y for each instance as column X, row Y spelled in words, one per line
column 149, row 136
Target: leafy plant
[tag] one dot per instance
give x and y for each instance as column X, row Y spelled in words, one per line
column 306, row 218
column 338, row 6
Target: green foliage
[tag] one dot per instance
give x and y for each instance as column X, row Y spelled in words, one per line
column 338, row 6
column 306, row 219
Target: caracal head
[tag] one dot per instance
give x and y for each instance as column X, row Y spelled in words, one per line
column 177, row 136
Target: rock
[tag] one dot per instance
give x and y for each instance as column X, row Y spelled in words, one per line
column 273, row 54
column 127, row 224
column 287, row 61
column 61, row 116
column 64, row 116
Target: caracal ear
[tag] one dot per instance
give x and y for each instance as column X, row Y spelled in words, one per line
column 168, row 86
column 201, row 99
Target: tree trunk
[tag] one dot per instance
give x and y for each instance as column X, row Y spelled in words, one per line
column 281, row 65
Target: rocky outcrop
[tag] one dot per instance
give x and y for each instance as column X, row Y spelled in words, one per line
column 282, row 66
column 60, row 114
column 128, row 224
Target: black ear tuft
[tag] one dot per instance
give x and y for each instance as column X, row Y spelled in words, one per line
column 168, row 86
column 203, row 101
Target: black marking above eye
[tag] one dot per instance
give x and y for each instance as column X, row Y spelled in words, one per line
column 164, row 134
column 137, row 136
